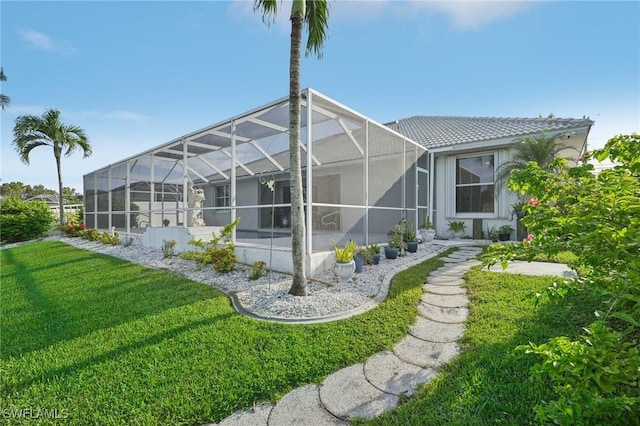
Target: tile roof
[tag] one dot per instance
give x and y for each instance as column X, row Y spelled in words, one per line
column 435, row 131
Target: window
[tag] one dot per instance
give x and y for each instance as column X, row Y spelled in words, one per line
column 222, row 196
column 474, row 184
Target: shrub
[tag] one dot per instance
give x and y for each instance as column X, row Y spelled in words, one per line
column 168, row 247
column 257, row 270
column 24, row 220
column 597, row 218
column 73, row 229
column 222, row 258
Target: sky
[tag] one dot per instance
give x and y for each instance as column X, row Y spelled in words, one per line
column 137, row 74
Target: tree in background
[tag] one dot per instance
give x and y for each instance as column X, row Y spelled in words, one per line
column 4, row 99
column 31, row 132
column 314, row 14
column 24, row 192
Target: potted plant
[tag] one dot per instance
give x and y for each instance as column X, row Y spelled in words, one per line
column 409, row 237
column 374, row 252
column 359, row 257
column 427, row 231
column 345, row 265
column 457, row 227
column 505, row 232
column 517, row 209
column 395, row 242
column 493, row 233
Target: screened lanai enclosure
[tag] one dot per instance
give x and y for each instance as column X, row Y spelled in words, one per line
column 360, row 178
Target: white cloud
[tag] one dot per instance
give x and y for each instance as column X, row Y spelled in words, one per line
column 465, row 15
column 471, row 15
column 119, row 115
column 40, row 41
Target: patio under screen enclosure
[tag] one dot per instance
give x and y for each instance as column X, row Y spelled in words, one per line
column 360, row 178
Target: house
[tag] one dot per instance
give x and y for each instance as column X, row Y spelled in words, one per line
column 464, row 154
column 360, row 178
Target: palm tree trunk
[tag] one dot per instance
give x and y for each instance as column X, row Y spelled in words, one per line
column 60, row 201
column 299, row 286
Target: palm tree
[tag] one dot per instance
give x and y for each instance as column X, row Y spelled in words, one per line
column 4, row 99
column 313, row 13
column 31, row 132
column 542, row 150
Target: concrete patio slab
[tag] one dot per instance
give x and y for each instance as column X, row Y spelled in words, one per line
column 437, row 332
column 425, row 354
column 347, row 394
column 390, row 374
column 302, row 406
column 536, row 268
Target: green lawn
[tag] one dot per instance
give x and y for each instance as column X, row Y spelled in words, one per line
column 104, row 341
column 489, row 382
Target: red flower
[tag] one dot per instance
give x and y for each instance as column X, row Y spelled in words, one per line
column 529, row 238
column 534, row 202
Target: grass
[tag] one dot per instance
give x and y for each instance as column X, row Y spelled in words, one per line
column 489, row 382
column 104, row 341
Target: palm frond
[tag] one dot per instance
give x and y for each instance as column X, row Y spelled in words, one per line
column 317, row 19
column 268, row 8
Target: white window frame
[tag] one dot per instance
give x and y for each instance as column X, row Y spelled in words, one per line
column 225, row 205
column 452, row 186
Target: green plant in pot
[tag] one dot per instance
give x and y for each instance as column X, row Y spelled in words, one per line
column 494, row 234
column 374, row 253
column 427, row 231
column 392, row 250
column 505, row 232
column 409, row 237
column 345, row 265
column 457, row 227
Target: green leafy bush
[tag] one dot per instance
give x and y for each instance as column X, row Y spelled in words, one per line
column 222, row 258
column 24, row 220
column 597, row 218
column 257, row 270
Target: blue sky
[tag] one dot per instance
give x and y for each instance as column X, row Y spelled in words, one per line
column 137, row 74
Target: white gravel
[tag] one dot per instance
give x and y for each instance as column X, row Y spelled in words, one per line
column 268, row 296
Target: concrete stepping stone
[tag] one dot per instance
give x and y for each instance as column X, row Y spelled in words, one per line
column 444, row 289
column 445, row 281
column 347, row 394
column 425, row 354
column 390, row 374
column 440, row 314
column 446, row 301
column 433, row 331
column 257, row 416
column 460, row 255
column 300, row 406
column 451, row 259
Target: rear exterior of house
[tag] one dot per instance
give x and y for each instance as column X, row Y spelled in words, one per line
column 360, row 178
column 464, row 155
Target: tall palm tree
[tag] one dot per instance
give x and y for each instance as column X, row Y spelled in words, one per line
column 314, row 14
column 4, row 99
column 542, row 150
column 31, row 132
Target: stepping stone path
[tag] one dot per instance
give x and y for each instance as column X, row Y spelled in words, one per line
column 377, row 385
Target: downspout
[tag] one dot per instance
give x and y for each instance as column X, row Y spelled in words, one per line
column 431, row 179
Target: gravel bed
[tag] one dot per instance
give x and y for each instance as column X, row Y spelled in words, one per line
column 268, row 296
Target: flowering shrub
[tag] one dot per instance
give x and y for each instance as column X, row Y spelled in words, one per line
column 597, row 217
column 73, row 229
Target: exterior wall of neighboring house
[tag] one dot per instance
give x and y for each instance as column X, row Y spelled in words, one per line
column 492, row 211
